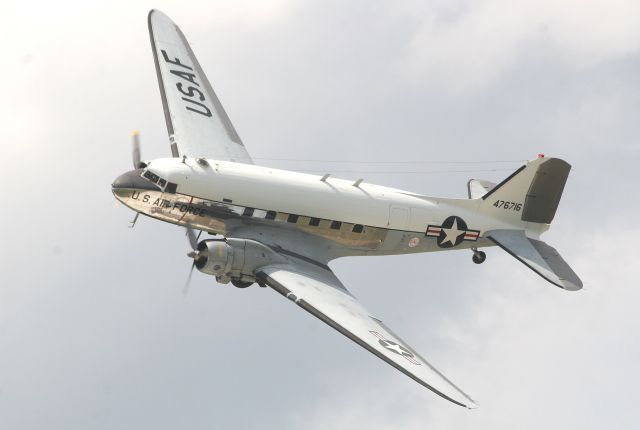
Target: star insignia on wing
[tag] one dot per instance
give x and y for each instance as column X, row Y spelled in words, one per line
column 396, row 348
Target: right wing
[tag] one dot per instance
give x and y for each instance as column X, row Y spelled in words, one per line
column 197, row 124
column 315, row 288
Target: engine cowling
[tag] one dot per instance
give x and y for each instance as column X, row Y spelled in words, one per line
column 215, row 257
column 233, row 259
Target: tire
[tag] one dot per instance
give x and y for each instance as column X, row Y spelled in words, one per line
column 479, row 257
column 241, row 284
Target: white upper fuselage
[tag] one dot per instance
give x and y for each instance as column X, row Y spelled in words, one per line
column 298, row 193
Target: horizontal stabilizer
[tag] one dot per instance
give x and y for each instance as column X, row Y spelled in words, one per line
column 479, row 187
column 538, row 256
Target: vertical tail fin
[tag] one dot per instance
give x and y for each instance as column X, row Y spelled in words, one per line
column 529, row 195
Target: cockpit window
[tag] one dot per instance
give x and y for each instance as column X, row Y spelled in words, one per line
column 147, row 174
column 150, row 176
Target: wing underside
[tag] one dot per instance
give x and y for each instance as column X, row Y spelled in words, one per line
column 197, row 123
column 317, row 290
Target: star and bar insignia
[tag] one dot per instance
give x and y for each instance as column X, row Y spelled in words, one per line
column 396, row 348
column 452, row 232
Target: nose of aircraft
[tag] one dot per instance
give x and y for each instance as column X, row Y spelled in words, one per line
column 133, row 180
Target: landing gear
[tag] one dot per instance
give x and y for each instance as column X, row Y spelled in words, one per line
column 241, row 284
column 478, row 256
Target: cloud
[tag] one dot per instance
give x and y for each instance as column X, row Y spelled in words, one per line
column 94, row 332
column 469, row 45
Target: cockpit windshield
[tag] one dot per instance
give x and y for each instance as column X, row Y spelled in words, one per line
column 147, row 174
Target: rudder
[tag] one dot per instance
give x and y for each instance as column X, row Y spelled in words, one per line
column 544, row 194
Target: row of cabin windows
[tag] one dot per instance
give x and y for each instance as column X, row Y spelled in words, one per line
column 292, row 218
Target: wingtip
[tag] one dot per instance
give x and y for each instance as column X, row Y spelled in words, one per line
column 458, row 397
column 153, row 12
column 149, row 15
column 572, row 284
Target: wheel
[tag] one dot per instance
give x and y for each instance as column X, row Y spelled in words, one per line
column 479, row 257
column 241, row 284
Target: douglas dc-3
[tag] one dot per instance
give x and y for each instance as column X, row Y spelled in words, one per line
column 280, row 229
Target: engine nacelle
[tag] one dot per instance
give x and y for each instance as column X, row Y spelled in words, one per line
column 215, row 257
column 233, row 259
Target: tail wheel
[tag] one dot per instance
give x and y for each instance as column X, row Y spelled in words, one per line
column 479, row 257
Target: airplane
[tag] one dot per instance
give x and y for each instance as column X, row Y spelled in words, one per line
column 280, row 229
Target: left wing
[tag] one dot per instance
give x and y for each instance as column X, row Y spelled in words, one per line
column 315, row 288
column 197, row 124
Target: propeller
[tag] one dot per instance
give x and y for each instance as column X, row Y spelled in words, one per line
column 137, row 162
column 193, row 241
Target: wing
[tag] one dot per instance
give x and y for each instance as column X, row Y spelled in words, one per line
column 315, row 288
column 197, row 124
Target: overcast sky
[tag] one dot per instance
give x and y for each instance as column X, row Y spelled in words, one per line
column 94, row 331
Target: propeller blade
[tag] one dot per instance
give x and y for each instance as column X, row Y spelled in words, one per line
column 136, row 150
column 193, row 240
column 185, row 289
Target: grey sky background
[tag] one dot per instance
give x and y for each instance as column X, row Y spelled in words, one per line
column 94, row 331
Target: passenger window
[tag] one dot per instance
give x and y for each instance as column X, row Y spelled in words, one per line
column 335, row 225
column 314, row 222
column 248, row 212
column 270, row 215
column 358, row 228
column 292, row 218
